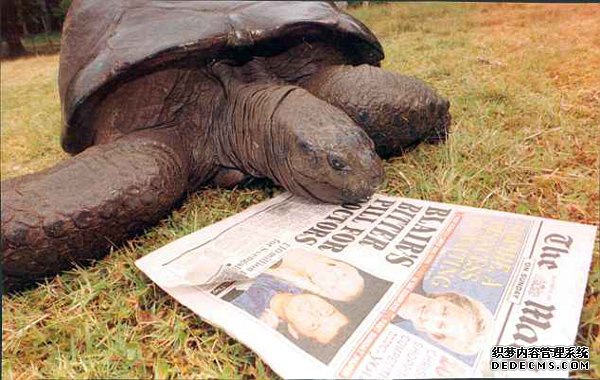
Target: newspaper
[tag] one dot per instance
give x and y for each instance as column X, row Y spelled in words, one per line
column 393, row 287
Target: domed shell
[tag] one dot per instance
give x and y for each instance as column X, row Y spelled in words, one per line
column 112, row 40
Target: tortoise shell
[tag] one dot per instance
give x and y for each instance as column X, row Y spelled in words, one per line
column 105, row 42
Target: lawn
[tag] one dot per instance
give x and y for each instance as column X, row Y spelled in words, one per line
column 43, row 43
column 526, row 113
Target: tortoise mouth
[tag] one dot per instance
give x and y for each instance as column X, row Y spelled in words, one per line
column 316, row 188
column 329, row 193
column 361, row 196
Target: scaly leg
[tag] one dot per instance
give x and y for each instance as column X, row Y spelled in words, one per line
column 75, row 211
column 396, row 111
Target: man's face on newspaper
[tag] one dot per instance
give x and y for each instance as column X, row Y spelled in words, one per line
column 313, row 317
column 337, row 280
column 443, row 320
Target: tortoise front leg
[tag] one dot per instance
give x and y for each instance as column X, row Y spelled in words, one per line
column 228, row 178
column 75, row 211
column 396, row 111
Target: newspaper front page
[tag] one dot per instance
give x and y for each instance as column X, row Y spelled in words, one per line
column 390, row 288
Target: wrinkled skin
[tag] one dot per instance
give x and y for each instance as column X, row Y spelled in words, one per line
column 303, row 119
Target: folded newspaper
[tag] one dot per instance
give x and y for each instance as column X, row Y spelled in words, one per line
column 393, row 287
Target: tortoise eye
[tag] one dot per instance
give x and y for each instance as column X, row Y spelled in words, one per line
column 336, row 162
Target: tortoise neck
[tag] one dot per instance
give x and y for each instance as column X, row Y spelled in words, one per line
column 247, row 137
column 299, row 63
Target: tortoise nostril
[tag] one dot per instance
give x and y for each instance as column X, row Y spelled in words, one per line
column 445, row 105
column 433, row 105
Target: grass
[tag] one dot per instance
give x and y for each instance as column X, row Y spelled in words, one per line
column 52, row 38
column 41, row 44
column 526, row 114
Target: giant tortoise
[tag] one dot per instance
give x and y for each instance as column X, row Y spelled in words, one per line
column 161, row 97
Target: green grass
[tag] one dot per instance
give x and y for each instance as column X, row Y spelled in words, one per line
column 42, row 38
column 43, row 43
column 526, row 114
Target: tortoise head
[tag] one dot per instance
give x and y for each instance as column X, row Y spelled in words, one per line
column 327, row 156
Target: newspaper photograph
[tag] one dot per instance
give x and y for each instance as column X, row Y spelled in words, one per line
column 393, row 287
